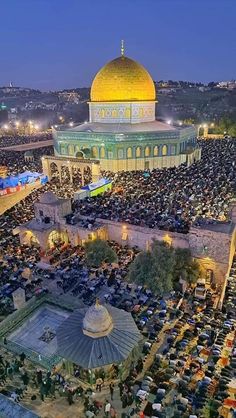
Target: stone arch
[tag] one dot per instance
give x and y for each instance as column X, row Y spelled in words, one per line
column 79, row 154
column 87, row 175
column 147, row 151
column 54, row 239
column 76, row 176
column 65, row 172
column 155, row 151
column 53, row 167
column 138, row 152
column 29, row 238
column 129, row 152
column 164, row 150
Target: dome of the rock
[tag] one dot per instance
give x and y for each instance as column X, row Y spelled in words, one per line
column 122, row 79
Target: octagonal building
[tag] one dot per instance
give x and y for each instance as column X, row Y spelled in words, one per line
column 122, row 132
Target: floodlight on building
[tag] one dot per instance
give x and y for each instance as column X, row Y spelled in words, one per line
column 205, row 125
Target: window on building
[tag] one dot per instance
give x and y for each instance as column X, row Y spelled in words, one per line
column 173, row 150
column 114, row 113
column 129, row 152
column 138, row 152
column 120, row 153
column 155, row 151
column 102, row 152
column 110, row 154
column 94, row 152
column 147, row 151
column 71, row 149
column 127, row 113
column 63, row 149
column 164, row 150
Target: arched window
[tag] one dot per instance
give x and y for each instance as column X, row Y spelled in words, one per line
column 71, row 149
column 120, row 153
column 63, row 149
column 147, row 151
column 127, row 113
column 138, row 152
column 102, row 152
column 164, row 150
column 155, row 151
column 102, row 112
column 94, row 152
column 173, row 150
column 114, row 113
column 129, row 152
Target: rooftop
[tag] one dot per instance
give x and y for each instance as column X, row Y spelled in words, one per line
column 124, row 127
column 119, row 336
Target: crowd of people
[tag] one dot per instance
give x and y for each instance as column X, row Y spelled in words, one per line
column 16, row 139
column 174, row 198
column 188, row 367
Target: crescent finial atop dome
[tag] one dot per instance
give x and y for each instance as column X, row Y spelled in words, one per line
column 122, row 48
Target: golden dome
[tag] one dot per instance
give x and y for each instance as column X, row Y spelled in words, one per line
column 122, row 79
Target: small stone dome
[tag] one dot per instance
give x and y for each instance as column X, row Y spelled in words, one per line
column 97, row 321
column 49, row 198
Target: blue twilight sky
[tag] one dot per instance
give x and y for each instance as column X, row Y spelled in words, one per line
column 54, row 44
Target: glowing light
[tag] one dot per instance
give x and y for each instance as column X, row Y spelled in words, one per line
column 17, row 124
column 212, row 125
column 205, row 125
column 169, row 122
column 30, row 122
column 180, row 123
column 5, row 127
column 55, row 126
column 36, row 127
column 71, row 124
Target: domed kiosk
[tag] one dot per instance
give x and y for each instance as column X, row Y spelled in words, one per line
column 122, row 132
column 98, row 341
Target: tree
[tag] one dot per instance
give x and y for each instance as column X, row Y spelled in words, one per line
column 98, row 252
column 186, row 267
column 154, row 268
